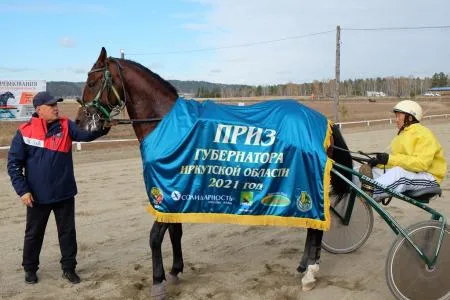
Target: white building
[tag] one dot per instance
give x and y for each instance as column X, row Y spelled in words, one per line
column 375, row 94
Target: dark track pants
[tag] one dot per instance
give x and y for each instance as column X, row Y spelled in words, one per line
column 37, row 218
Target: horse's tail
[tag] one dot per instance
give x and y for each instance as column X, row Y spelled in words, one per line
column 340, row 187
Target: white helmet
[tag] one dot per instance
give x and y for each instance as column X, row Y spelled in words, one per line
column 409, row 107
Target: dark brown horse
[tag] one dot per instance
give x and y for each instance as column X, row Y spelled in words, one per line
column 114, row 84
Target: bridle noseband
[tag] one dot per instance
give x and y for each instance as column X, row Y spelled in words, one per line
column 107, row 111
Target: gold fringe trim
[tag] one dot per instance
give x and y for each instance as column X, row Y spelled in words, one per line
column 326, row 193
column 327, row 177
column 327, row 140
column 236, row 219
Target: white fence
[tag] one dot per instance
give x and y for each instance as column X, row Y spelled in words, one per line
column 341, row 124
column 78, row 144
column 390, row 121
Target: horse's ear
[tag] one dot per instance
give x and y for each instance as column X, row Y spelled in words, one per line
column 102, row 57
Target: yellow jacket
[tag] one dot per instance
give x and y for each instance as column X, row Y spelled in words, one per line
column 416, row 149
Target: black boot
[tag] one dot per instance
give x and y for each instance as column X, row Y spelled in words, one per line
column 71, row 276
column 31, row 277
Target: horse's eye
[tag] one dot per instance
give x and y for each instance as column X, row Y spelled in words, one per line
column 91, row 84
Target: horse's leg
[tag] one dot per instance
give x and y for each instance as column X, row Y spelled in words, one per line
column 311, row 258
column 176, row 232
column 311, row 254
column 156, row 238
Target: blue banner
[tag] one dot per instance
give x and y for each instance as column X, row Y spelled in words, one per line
column 263, row 164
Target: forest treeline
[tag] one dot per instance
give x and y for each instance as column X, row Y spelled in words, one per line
column 391, row 86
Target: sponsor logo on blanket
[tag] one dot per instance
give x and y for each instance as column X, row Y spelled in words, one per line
column 246, row 198
column 157, row 195
column 176, row 195
column 276, row 199
column 219, row 199
column 304, row 202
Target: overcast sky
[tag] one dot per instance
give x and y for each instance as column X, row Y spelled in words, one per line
column 226, row 41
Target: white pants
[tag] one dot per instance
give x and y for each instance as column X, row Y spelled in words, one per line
column 399, row 180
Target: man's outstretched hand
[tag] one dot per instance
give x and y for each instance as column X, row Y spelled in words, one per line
column 111, row 123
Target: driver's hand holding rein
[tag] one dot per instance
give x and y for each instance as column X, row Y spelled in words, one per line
column 416, row 160
column 41, row 169
column 380, row 159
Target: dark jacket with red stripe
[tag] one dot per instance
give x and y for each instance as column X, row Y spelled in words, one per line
column 44, row 151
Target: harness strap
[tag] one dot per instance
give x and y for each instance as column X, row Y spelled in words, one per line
column 132, row 121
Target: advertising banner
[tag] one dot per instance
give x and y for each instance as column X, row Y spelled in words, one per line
column 16, row 98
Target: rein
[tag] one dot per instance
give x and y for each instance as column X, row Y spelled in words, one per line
column 356, row 158
column 133, row 121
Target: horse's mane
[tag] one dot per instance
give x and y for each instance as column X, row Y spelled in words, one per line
column 164, row 82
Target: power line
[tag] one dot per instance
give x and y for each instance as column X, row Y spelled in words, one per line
column 397, row 28
column 234, row 46
column 288, row 38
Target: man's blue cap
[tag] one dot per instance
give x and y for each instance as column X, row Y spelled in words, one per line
column 44, row 98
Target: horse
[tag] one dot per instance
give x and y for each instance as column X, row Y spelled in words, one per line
column 4, row 98
column 115, row 84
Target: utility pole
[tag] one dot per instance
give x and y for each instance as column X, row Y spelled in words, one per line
column 338, row 73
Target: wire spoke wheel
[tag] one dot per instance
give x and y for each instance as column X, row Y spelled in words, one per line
column 343, row 238
column 407, row 274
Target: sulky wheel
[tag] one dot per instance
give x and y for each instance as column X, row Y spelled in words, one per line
column 408, row 276
column 340, row 238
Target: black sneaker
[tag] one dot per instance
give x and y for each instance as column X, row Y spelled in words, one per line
column 71, row 276
column 31, row 277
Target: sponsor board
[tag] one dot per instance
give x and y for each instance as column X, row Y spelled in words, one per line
column 16, row 98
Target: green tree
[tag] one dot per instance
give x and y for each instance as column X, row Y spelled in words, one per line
column 439, row 80
column 258, row 91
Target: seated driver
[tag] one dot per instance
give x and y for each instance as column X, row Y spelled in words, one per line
column 416, row 160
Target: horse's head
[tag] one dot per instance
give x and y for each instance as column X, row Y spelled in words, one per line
column 103, row 94
column 7, row 95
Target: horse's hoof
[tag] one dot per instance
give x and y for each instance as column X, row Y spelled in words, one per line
column 309, row 279
column 307, row 286
column 158, row 291
column 172, row 279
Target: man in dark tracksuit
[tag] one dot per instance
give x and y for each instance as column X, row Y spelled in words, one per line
column 43, row 149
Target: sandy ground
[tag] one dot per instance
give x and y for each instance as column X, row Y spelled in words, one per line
column 221, row 261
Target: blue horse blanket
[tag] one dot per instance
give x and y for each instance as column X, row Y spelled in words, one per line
column 263, row 164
